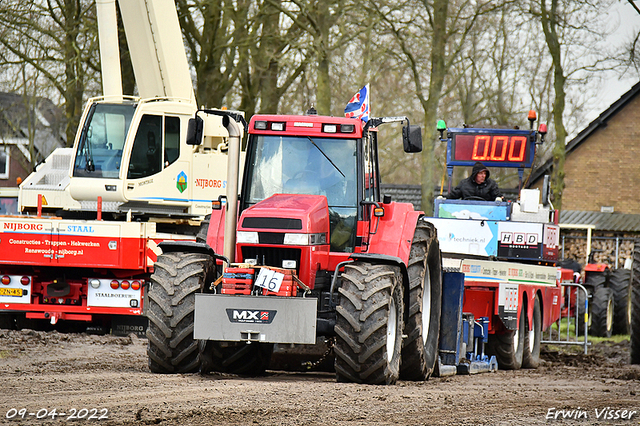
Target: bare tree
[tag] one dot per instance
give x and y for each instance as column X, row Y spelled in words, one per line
column 57, row 38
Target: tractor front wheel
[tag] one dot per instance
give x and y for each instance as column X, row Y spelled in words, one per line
column 369, row 324
column 170, row 309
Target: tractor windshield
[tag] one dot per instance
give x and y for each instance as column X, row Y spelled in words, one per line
column 304, row 165
column 99, row 152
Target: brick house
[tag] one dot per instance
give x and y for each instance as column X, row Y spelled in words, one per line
column 47, row 127
column 602, row 173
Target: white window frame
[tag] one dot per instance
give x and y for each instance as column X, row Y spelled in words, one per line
column 7, row 153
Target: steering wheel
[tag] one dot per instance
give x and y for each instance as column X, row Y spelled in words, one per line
column 474, row 197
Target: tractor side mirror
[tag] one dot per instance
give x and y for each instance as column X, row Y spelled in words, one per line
column 194, row 131
column 412, row 138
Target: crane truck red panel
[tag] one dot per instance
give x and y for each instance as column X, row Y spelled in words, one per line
column 54, row 242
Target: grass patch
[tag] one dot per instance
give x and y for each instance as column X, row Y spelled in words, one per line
column 5, row 354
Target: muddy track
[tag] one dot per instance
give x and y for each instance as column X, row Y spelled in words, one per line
column 47, row 370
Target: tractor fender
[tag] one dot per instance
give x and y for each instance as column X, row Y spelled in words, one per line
column 395, row 230
column 190, row 247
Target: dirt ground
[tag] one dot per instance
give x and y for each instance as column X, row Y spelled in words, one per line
column 108, row 376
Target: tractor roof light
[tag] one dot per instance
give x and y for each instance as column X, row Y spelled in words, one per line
column 6, row 279
column 347, row 128
column 329, row 128
column 277, row 127
column 260, row 125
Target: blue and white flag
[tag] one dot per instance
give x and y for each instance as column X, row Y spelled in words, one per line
column 358, row 106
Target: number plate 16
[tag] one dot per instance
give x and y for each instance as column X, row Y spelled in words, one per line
column 269, row 279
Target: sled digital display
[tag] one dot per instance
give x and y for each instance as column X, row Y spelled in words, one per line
column 493, row 147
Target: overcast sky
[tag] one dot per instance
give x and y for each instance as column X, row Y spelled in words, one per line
column 626, row 21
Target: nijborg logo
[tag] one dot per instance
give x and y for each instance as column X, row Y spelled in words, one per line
column 251, row 316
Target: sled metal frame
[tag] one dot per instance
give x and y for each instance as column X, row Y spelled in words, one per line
column 570, row 338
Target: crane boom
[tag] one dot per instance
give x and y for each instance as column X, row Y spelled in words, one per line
column 157, row 51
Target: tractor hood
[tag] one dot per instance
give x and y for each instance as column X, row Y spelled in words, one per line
column 290, row 213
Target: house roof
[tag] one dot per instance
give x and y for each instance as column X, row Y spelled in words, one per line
column 601, row 121
column 620, row 222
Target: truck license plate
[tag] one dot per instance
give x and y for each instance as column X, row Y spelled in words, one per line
column 11, row 292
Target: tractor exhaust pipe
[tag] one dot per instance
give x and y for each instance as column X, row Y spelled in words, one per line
column 233, row 169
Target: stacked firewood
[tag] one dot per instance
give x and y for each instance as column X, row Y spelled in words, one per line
column 603, row 249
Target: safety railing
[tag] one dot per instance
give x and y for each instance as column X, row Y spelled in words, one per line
column 576, row 332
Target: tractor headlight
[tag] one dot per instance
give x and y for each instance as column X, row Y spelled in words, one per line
column 305, row 239
column 247, row 237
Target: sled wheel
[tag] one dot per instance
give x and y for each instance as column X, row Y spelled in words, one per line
column 508, row 347
column 531, row 355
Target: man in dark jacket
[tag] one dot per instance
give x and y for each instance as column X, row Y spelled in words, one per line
column 478, row 185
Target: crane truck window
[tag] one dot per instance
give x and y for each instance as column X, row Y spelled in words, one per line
column 102, row 140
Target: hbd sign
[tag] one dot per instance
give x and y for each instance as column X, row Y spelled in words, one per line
column 518, row 239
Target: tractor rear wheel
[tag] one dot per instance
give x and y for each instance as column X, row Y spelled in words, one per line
column 420, row 348
column 635, row 305
column 245, row 359
column 620, row 284
column 602, row 308
column 369, row 324
column 170, row 309
column 532, row 338
column 509, row 347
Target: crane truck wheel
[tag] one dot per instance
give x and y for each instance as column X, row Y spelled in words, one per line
column 635, row 305
column 369, row 324
column 420, row 347
column 620, row 284
column 602, row 308
column 244, row 359
column 509, row 347
column 201, row 237
column 531, row 356
column 170, row 309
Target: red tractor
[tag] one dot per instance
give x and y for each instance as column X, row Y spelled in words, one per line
column 339, row 260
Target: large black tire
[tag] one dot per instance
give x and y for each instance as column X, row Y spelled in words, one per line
column 620, row 284
column 602, row 309
column 532, row 338
column 420, row 349
column 234, row 357
column 369, row 324
column 508, row 347
column 635, row 305
column 170, row 308
column 201, row 237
